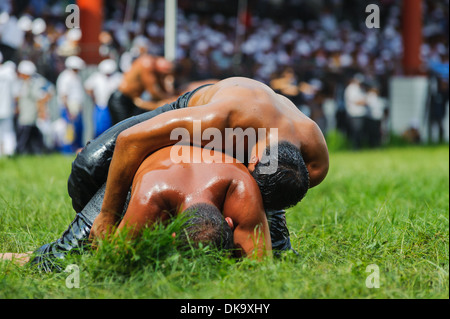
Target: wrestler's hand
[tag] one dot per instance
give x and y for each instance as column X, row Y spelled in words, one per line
column 20, row 259
column 103, row 226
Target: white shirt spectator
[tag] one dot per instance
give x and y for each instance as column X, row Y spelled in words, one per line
column 354, row 95
column 31, row 91
column 375, row 105
column 7, row 80
column 12, row 35
column 102, row 86
column 70, row 87
column 7, row 133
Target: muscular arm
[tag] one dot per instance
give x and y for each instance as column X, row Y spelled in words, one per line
column 313, row 148
column 142, row 212
column 244, row 205
column 315, row 154
column 136, row 143
column 150, row 83
column 158, row 86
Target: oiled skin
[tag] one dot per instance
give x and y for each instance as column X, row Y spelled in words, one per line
column 145, row 75
column 162, row 188
column 231, row 103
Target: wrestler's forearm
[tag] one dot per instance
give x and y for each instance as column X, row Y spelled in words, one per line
column 132, row 147
column 120, row 176
column 316, row 158
column 136, row 143
column 317, row 174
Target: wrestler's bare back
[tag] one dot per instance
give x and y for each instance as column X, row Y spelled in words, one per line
column 131, row 84
column 257, row 105
column 174, row 187
column 162, row 189
column 231, row 103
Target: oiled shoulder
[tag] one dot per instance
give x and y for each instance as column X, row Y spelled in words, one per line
column 242, row 182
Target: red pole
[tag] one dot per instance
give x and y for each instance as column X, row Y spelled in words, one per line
column 91, row 19
column 412, row 36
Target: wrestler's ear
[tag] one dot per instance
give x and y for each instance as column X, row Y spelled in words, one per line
column 229, row 222
column 254, row 159
column 252, row 164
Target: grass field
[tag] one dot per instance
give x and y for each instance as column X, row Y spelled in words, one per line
column 388, row 208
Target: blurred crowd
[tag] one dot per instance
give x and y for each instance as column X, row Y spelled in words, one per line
column 309, row 51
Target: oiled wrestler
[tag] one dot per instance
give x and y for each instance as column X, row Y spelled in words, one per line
column 162, row 189
column 228, row 104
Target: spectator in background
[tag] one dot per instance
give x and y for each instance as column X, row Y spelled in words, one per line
column 355, row 103
column 12, row 38
column 7, row 132
column 323, row 41
column 316, row 105
column 100, row 85
column 30, row 100
column 437, row 103
column 341, row 113
column 71, row 94
column 287, row 85
column 68, row 43
column 138, row 48
column 44, row 121
column 375, row 116
column 412, row 133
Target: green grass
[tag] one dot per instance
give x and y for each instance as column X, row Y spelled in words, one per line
column 384, row 207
